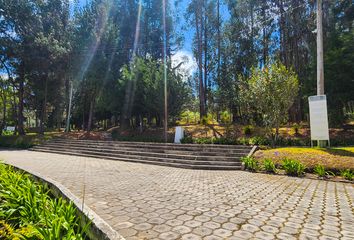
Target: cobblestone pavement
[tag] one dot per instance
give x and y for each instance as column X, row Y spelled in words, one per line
column 152, row 202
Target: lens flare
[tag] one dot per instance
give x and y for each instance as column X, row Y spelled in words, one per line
column 131, row 85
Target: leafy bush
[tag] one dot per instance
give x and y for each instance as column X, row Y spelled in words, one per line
column 247, row 130
column 251, row 163
column 321, row 172
column 28, row 212
column 17, row 141
column 347, row 174
column 7, row 133
column 225, row 141
column 269, row 166
column 225, row 117
column 296, row 128
column 187, row 139
column 258, row 141
column 293, row 167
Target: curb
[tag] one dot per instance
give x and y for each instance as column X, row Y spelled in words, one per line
column 99, row 229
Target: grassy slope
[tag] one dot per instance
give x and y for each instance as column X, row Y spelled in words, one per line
column 333, row 158
column 25, row 141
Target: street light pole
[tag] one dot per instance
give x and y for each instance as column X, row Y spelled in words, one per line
column 320, row 69
column 165, row 69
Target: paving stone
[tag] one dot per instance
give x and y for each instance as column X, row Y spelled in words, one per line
column 224, row 233
column 191, row 236
column 250, row 228
column 154, row 202
column 270, row 229
column 202, row 231
column 241, row 234
column 212, row 225
column 214, row 238
column 182, row 229
column 192, row 223
column 264, row 235
column 230, row 226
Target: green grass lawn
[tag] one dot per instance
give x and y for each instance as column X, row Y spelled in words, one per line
column 338, row 158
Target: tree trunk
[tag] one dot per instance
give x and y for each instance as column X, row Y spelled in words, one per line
column 44, row 107
column 219, row 40
column 89, row 122
column 198, row 20
column 20, row 127
column 3, row 124
column 205, row 57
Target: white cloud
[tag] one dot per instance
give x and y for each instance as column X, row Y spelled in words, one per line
column 185, row 62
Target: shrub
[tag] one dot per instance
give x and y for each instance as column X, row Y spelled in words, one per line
column 225, row 141
column 347, row 174
column 7, row 133
column 251, row 163
column 269, row 166
column 28, row 212
column 321, row 172
column 296, row 128
column 293, row 167
column 187, row 139
column 258, row 141
column 247, row 130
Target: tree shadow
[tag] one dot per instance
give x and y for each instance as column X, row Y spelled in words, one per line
column 339, row 152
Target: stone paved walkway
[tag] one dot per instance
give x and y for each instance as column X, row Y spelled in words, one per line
column 152, row 202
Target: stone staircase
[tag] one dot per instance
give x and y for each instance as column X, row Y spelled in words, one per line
column 194, row 156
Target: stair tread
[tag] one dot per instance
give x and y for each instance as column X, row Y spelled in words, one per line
column 236, row 167
column 138, row 156
column 180, row 153
column 155, row 144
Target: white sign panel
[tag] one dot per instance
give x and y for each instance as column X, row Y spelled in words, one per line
column 318, row 117
column 179, row 134
column 11, row 129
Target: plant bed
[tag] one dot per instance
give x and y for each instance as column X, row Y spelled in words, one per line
column 296, row 168
column 29, row 211
column 333, row 159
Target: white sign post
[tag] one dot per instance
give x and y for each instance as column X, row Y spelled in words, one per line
column 318, row 118
column 179, row 134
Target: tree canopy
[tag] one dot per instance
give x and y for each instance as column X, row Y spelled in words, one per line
column 111, row 53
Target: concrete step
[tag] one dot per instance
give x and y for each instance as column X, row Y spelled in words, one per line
column 150, row 152
column 168, row 146
column 192, row 156
column 155, row 149
column 196, row 161
column 178, row 164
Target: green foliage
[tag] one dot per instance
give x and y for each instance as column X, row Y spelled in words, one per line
column 296, row 128
column 16, row 141
column 251, row 163
column 225, row 117
column 270, row 92
column 347, row 174
column 188, row 117
column 293, row 167
column 321, row 172
column 187, row 139
column 269, row 165
column 147, row 77
column 7, row 133
column 247, row 130
column 29, row 212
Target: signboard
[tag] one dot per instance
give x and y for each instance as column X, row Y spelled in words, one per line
column 179, row 134
column 318, row 117
column 11, row 129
